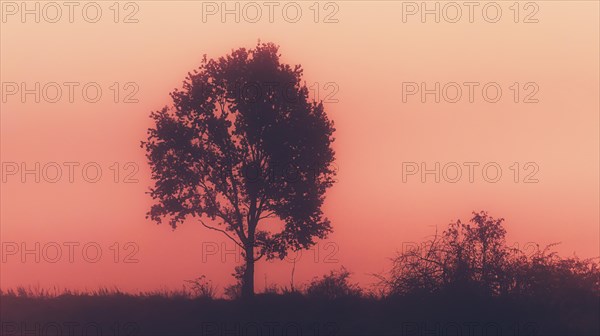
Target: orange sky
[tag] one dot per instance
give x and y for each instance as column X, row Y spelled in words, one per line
column 368, row 54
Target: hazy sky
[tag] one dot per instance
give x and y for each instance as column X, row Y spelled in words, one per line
column 366, row 59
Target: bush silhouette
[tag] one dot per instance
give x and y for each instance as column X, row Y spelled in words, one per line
column 334, row 285
column 474, row 258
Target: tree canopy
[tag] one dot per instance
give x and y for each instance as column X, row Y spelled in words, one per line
column 243, row 145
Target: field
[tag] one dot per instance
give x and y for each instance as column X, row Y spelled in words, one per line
column 115, row 313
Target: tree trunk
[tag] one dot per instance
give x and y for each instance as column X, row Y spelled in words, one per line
column 248, row 279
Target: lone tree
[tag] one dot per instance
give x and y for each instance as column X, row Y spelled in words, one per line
column 244, row 147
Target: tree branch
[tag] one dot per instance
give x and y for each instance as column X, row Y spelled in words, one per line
column 269, row 215
column 262, row 254
column 222, row 231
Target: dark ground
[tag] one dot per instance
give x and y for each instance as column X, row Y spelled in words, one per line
column 294, row 315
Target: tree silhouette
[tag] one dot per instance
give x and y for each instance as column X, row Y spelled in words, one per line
column 244, row 146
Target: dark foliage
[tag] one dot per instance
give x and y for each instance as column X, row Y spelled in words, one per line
column 242, row 146
column 474, row 259
column 334, row 285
